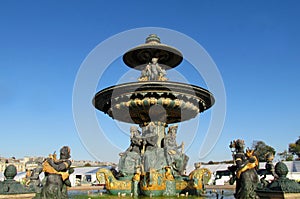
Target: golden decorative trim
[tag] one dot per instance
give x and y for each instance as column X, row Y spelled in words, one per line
column 47, row 168
column 111, row 182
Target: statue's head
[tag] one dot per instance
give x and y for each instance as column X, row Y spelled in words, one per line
column 269, row 157
column 173, row 129
column 10, row 172
column 154, row 60
column 133, row 128
column 281, row 169
column 65, row 152
column 133, row 131
column 238, row 144
column 197, row 165
column 138, row 169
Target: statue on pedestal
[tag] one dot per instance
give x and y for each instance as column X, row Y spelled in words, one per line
column 176, row 159
column 57, row 175
column 153, row 156
column 9, row 186
column 244, row 171
column 282, row 183
column 153, row 72
column 281, row 186
column 131, row 158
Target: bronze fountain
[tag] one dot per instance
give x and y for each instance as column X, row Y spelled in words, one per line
column 154, row 164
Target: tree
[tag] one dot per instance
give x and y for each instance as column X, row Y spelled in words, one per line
column 261, row 149
column 294, row 148
column 211, row 162
column 87, row 165
column 286, row 156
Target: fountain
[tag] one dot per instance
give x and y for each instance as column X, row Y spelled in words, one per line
column 154, row 164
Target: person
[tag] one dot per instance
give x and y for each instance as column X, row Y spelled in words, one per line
column 57, row 175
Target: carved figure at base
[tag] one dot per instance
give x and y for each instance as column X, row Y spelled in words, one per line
column 174, row 153
column 131, row 158
column 135, row 141
column 152, row 154
column 244, row 171
column 57, row 175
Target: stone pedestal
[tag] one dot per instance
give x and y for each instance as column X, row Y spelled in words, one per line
column 23, row 196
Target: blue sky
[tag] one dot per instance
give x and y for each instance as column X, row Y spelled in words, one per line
column 254, row 44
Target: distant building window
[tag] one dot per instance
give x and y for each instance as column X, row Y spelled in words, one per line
column 88, row 178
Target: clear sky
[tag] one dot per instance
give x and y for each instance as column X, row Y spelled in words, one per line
column 255, row 45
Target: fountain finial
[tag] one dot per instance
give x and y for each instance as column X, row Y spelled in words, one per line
column 152, row 38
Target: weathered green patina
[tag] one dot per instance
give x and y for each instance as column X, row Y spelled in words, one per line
column 244, row 171
column 281, row 187
column 11, row 188
column 154, row 164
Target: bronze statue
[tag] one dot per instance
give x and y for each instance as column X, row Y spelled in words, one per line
column 150, row 150
column 132, row 156
column 153, row 105
column 174, row 153
column 57, row 175
column 150, row 137
column 270, row 169
column 135, row 141
column 33, row 178
column 244, row 171
column 10, row 186
column 269, row 165
column 281, row 186
column 153, row 72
